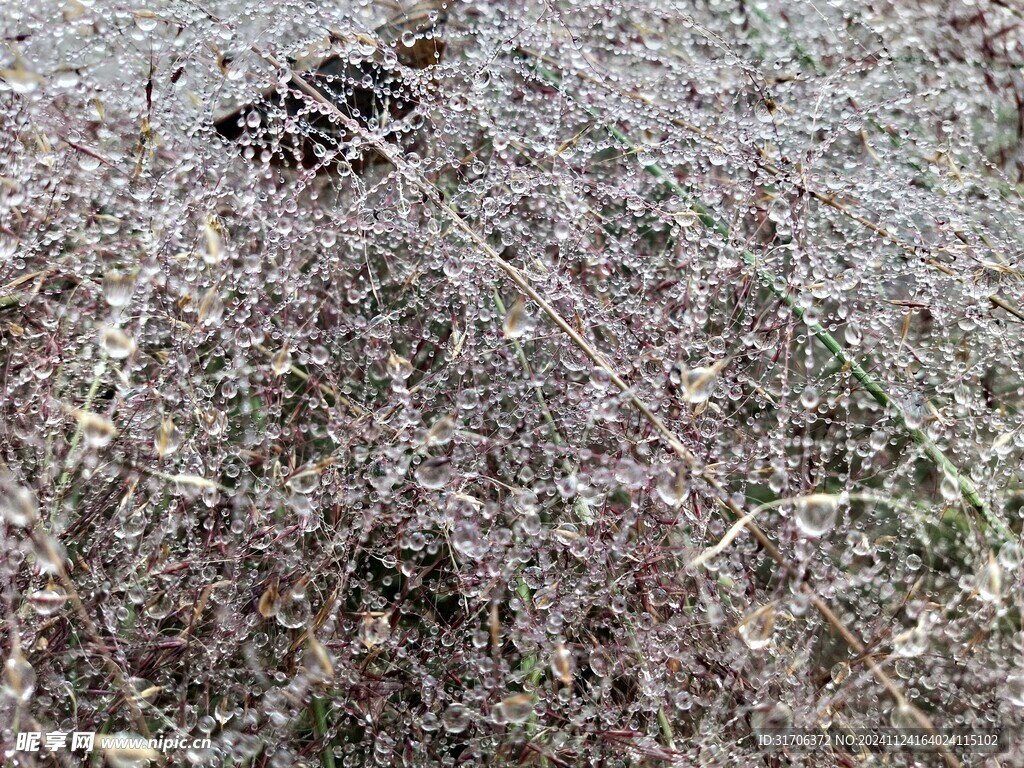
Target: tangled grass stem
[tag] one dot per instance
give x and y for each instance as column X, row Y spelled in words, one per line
column 874, row 388
column 431, row 193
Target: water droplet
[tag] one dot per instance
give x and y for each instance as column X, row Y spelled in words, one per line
column 468, row 541
column 671, row 484
column 168, row 438
column 441, row 432
column 118, row 288
column 46, row 602
column 862, row 546
column 88, row 162
column 764, row 111
column 513, row 710
column 211, row 308
column 97, row 431
column 630, row 473
column 20, row 80
column 809, row 398
column 567, row 486
column 1010, row 556
column 757, row 627
column 319, row 354
column 562, row 664
column 399, row 368
column 146, row 20
column 990, row 581
column 455, row 718
column 293, row 610
column 225, row 711
column 913, row 642
column 49, row 553
column 281, row 362
column 116, row 343
column 214, row 250
column 771, row 718
column 304, row 481
column 903, row 716
column 698, row 384
column 1003, row 444
column 852, row 334
column 949, row 488
column 17, row 504
column 434, row 473
column 816, row 514
column 318, row 661
column 19, row 680
column 1014, row 690
column 599, row 663
column 8, row 246
column 374, row 629
column 161, row 606
column 914, row 410
column 517, row 322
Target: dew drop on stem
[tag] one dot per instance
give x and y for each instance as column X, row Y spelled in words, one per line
column 434, row 473
column 815, row 515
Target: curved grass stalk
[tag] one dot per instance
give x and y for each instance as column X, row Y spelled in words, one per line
column 730, row 535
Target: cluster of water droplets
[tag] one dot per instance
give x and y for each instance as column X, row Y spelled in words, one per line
column 331, row 490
